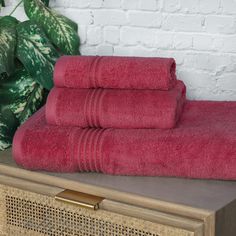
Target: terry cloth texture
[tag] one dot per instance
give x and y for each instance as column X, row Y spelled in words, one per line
column 116, row 108
column 203, row 145
column 115, row 72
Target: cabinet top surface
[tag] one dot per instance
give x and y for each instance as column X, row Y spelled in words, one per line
column 205, row 194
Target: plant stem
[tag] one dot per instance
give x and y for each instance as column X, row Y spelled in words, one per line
column 15, row 7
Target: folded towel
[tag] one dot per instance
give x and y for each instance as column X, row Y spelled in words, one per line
column 115, row 72
column 117, row 108
column 202, row 146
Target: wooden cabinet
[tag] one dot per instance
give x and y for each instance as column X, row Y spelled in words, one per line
column 129, row 206
column 27, row 213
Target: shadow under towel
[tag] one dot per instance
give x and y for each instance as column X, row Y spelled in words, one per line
column 202, row 146
column 116, row 108
column 115, row 72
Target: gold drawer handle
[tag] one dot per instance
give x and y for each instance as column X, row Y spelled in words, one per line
column 79, row 199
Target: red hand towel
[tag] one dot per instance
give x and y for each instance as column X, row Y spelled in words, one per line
column 202, row 146
column 116, row 108
column 115, row 72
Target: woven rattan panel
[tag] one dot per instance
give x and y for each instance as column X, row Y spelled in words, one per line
column 26, row 213
column 3, row 216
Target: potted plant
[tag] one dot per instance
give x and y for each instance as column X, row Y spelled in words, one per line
column 28, row 52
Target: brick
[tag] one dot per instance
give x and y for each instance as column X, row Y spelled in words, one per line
column 218, row 63
column 82, row 17
column 227, row 82
column 59, row 3
column 112, row 34
column 189, row 6
column 151, row 5
column 228, row 64
column 199, row 34
column 184, row 23
column 95, row 3
column 171, row 5
column 222, row 96
column 209, row 6
column 109, row 17
column 94, row 35
column 202, row 42
column 78, row 3
column 228, row 44
column 105, row 50
column 228, row 6
column 164, row 40
column 130, row 4
column 218, row 42
column 177, row 55
column 193, row 58
column 122, row 51
column 195, row 79
column 87, row 50
column 186, row 6
column 141, row 18
column 220, row 24
column 214, row 63
column 135, row 51
column 111, row 4
column 82, row 31
column 182, row 41
column 140, row 51
column 134, row 36
column 206, row 94
column 192, row 6
column 231, row 66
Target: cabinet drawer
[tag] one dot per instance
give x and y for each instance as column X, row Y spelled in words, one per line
column 27, row 213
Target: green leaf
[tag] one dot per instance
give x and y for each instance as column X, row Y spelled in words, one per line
column 46, row 2
column 36, row 53
column 2, row 3
column 21, row 94
column 3, row 77
column 7, row 43
column 33, row 103
column 8, row 125
column 8, row 22
column 17, row 88
column 61, row 30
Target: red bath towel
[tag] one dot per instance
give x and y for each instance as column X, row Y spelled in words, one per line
column 115, row 72
column 116, row 108
column 202, row 146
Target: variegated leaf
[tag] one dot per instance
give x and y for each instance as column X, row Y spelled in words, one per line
column 22, row 94
column 7, row 43
column 34, row 102
column 36, row 53
column 17, row 88
column 61, row 30
column 8, row 125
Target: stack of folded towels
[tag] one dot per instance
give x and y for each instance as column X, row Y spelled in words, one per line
column 127, row 116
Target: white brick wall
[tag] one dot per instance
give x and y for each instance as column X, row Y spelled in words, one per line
column 199, row 34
